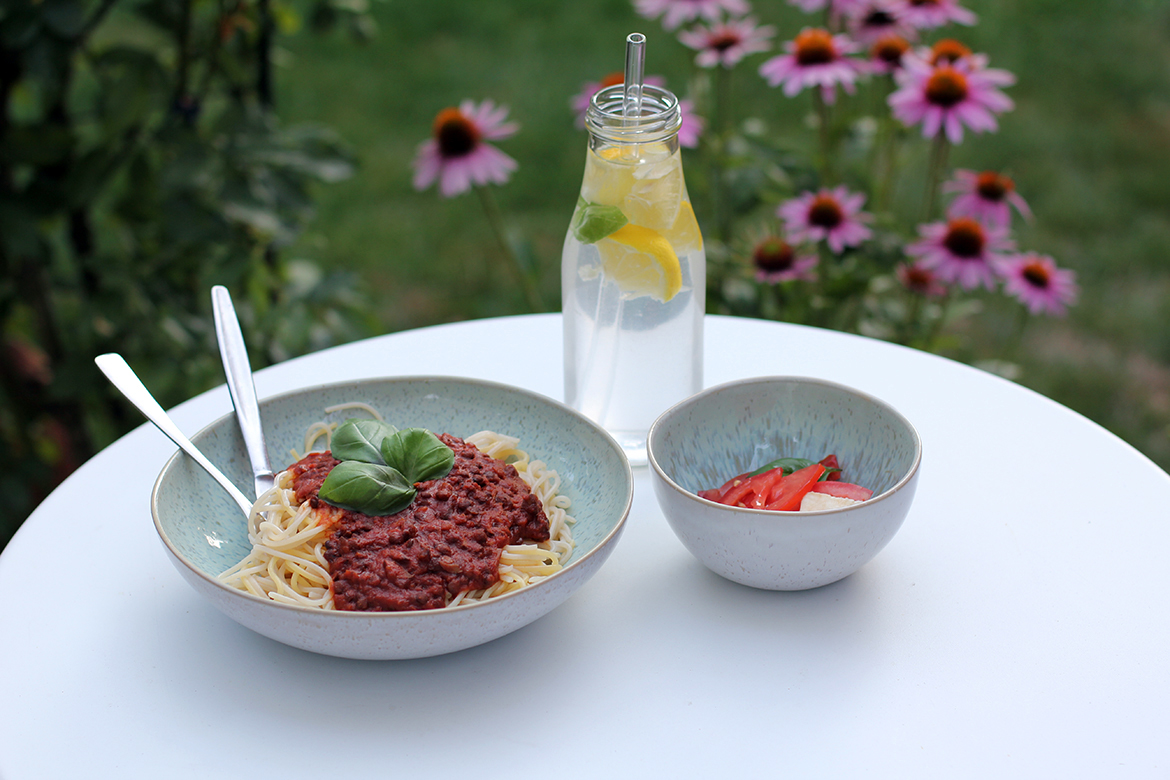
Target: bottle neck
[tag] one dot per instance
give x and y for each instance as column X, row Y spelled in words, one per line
column 657, row 122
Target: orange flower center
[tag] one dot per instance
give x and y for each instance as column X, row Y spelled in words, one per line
column 948, row 50
column 773, row 254
column 918, row 279
column 964, row 238
column 455, row 133
column 946, row 87
column 825, row 212
column 991, row 186
column 924, row 2
column 1037, row 275
column 613, row 79
column 889, row 49
column 815, row 47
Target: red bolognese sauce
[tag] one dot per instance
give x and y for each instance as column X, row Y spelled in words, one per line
column 447, row 541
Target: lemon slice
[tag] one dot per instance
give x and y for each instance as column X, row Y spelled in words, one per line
column 656, row 194
column 645, row 181
column 607, row 180
column 684, row 235
column 641, row 262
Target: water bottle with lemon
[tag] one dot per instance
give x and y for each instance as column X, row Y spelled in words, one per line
column 633, row 269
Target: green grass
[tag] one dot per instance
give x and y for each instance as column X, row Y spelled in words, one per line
column 1088, row 144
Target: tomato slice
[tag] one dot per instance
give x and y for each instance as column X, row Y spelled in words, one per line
column 843, row 490
column 737, row 493
column 787, row 493
column 751, row 491
column 830, row 463
column 762, row 487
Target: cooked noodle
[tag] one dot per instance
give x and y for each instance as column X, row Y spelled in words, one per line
column 287, row 562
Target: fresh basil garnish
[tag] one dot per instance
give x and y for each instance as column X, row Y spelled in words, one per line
column 793, row 464
column 369, row 488
column 380, row 466
column 592, row 221
column 788, row 464
column 418, row 454
column 361, row 440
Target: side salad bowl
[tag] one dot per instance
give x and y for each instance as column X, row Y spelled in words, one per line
column 204, row 532
column 735, row 428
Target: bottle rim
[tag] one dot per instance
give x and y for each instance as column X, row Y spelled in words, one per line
column 660, row 113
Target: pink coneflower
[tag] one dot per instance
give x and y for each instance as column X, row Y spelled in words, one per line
column 815, row 59
column 985, row 196
column 834, row 215
column 678, row 12
column 775, row 261
column 926, row 14
column 726, row 43
column 580, row 101
column 837, row 8
column 950, row 95
column 457, row 155
column 878, row 19
column 885, row 55
column 692, row 125
column 1037, row 283
column 920, row 280
column 962, row 251
column 947, row 50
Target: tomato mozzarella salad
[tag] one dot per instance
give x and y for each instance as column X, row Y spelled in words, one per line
column 790, row 485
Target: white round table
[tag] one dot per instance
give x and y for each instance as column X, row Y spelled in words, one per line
column 1017, row 626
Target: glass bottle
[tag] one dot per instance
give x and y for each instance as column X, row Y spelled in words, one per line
column 633, row 272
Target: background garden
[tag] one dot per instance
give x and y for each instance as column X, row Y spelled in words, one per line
column 152, row 149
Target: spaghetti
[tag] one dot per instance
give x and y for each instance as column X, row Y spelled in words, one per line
column 288, row 562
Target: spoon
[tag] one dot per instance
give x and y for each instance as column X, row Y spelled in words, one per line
column 123, row 377
column 242, row 388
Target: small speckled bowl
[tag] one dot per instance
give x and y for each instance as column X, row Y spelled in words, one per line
column 737, row 427
column 205, row 533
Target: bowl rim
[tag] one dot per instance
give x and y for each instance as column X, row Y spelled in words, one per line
column 791, row 379
column 292, row 609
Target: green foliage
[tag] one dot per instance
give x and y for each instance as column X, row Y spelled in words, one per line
column 142, row 162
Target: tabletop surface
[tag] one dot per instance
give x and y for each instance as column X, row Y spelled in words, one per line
column 1017, row 625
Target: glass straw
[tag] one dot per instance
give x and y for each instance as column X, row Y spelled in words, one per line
column 635, row 74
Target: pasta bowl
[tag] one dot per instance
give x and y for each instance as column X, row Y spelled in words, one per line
column 204, row 532
column 735, row 428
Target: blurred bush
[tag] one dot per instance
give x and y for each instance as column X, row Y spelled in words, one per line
column 141, row 162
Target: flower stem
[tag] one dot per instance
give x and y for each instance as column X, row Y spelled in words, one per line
column 822, row 109
column 934, row 174
column 936, row 327
column 531, row 294
column 722, row 132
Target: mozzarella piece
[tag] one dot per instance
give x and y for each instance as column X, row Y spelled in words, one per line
column 815, row 502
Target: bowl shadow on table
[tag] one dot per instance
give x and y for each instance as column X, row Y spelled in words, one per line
column 848, row 612
column 369, row 700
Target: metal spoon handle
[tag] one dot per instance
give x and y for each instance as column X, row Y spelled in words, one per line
column 123, row 377
column 238, row 371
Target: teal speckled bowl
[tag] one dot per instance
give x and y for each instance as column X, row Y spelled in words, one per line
column 205, row 533
column 738, row 427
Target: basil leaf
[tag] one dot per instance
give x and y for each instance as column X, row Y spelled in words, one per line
column 418, row 454
column 592, row 222
column 369, row 488
column 793, row 464
column 788, row 464
column 361, row 440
